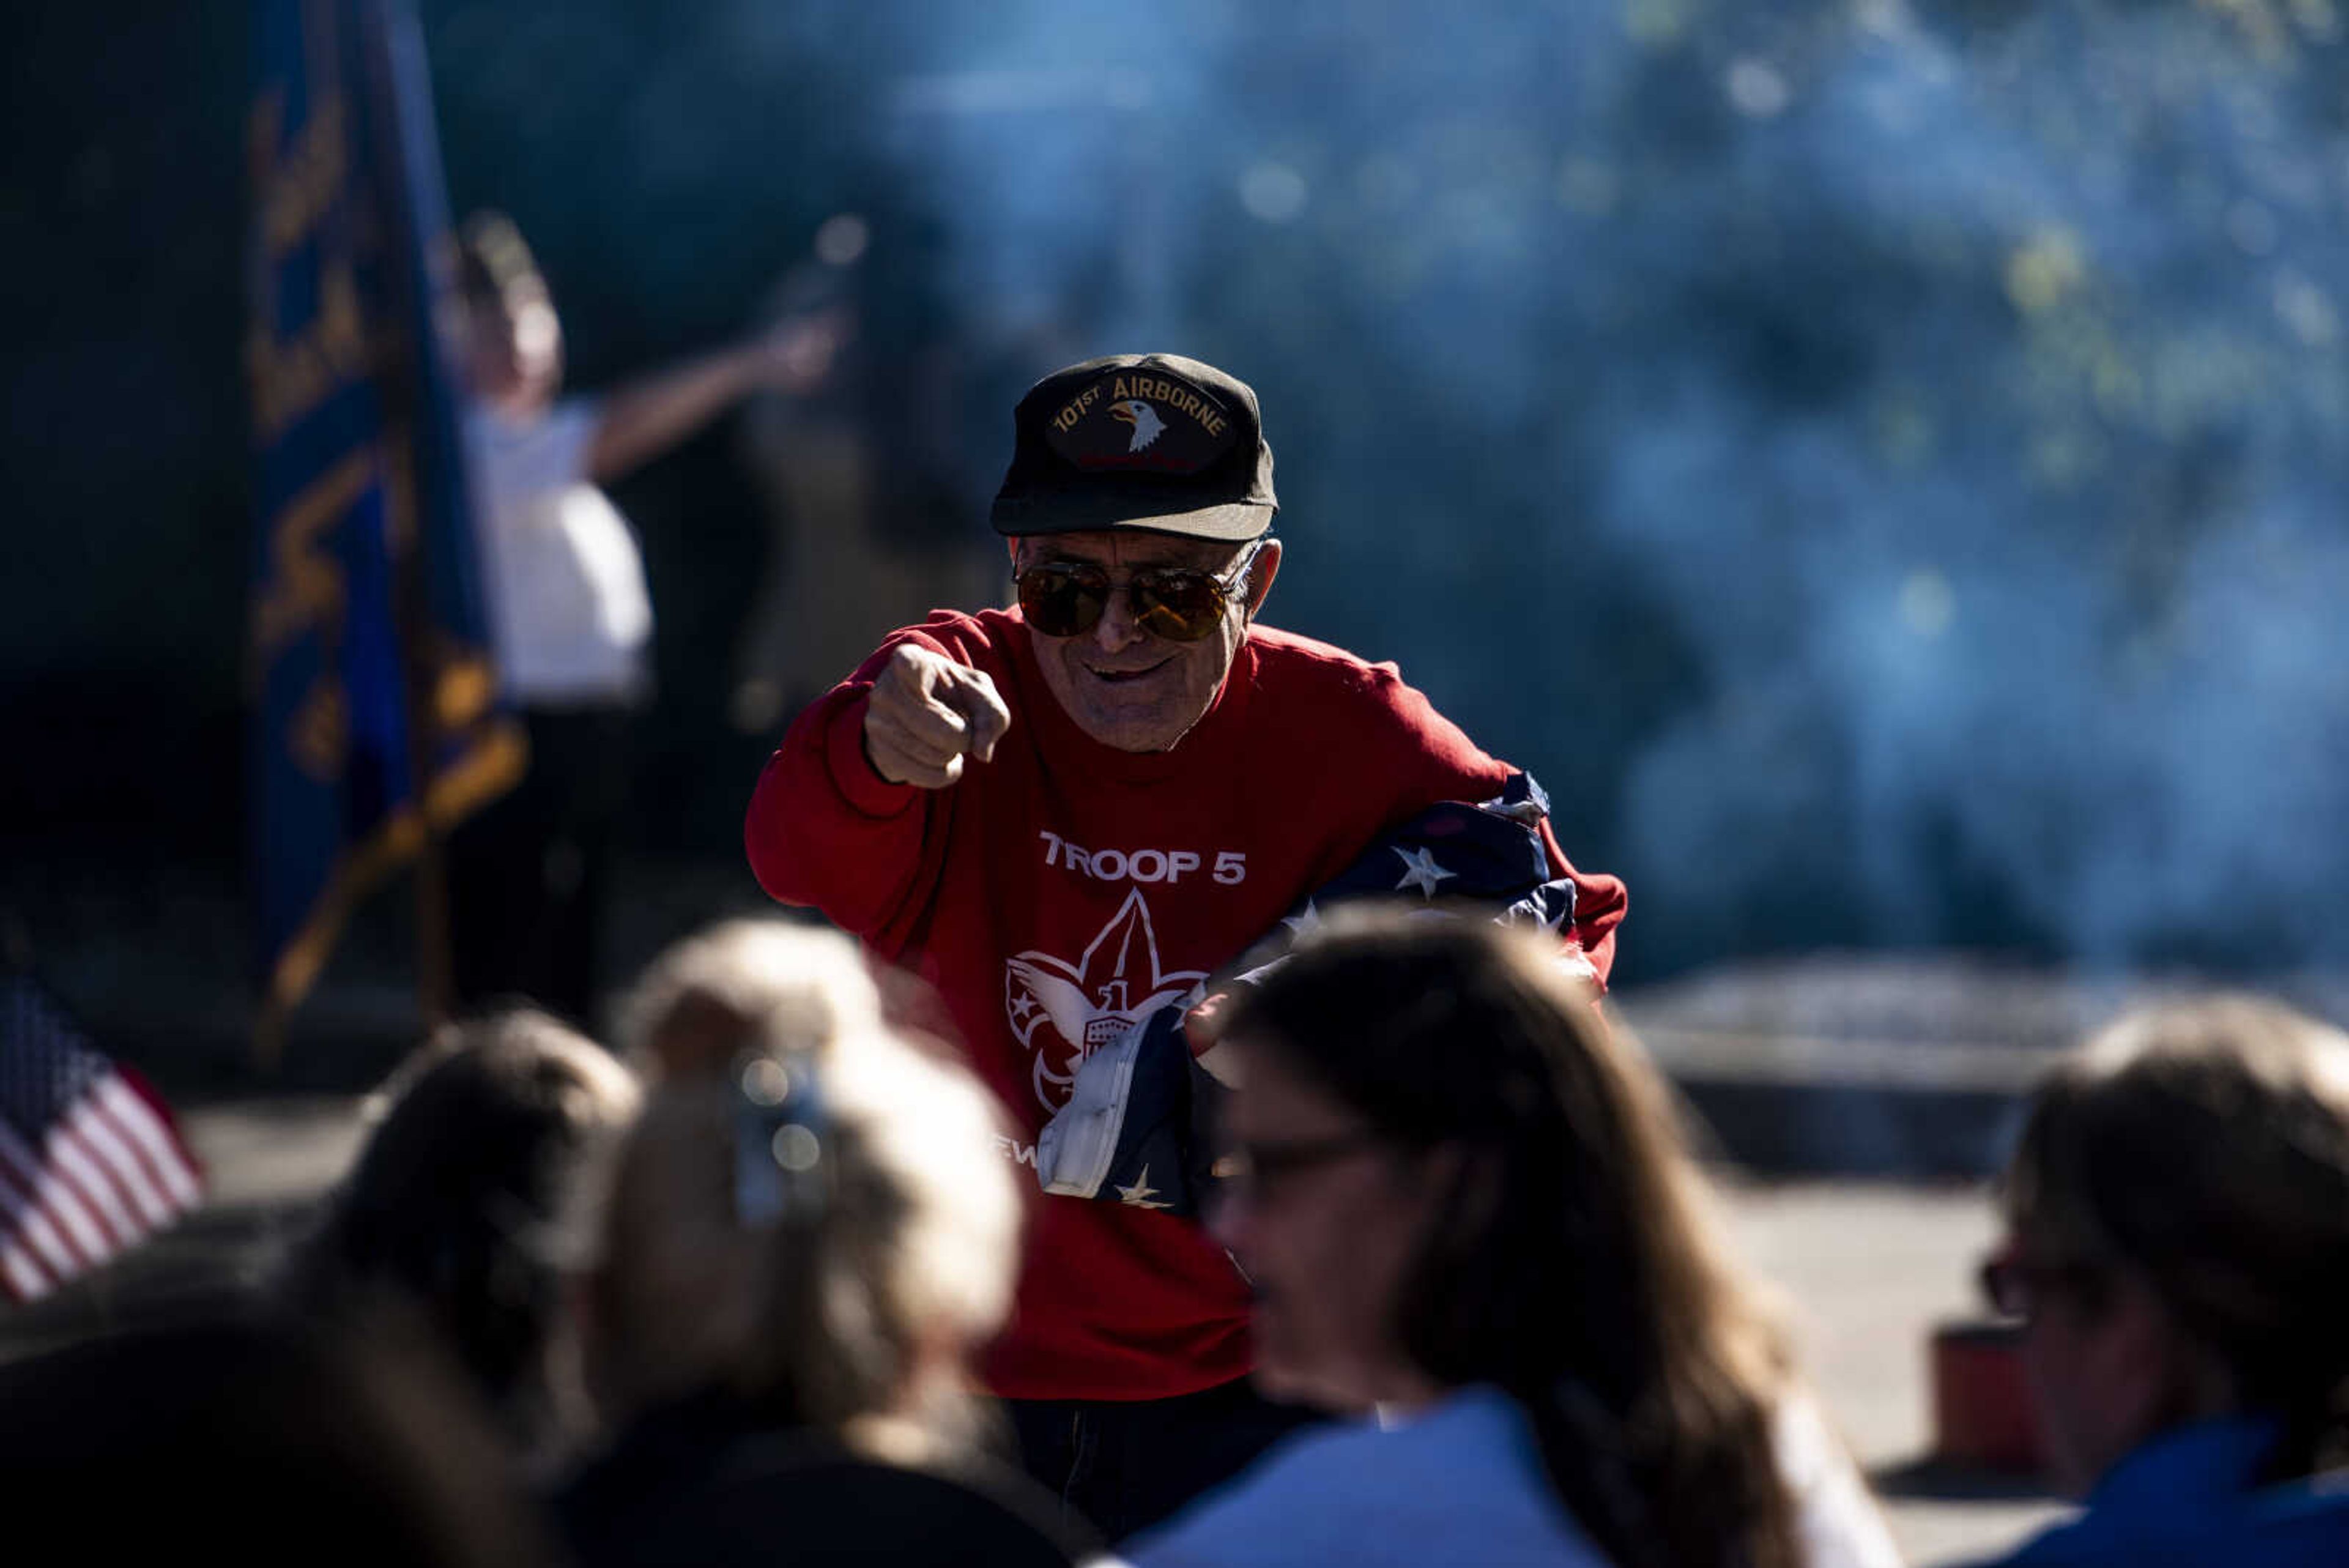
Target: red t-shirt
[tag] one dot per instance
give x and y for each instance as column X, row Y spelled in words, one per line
column 1064, row 889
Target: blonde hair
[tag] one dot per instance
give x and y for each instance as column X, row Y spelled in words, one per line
column 2204, row 1146
column 843, row 1314
column 741, row 981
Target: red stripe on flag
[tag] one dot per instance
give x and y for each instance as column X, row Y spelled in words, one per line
column 154, row 1207
column 135, row 1108
column 61, row 1197
column 166, row 1118
column 27, row 1216
column 74, row 1155
column 24, row 1279
column 58, row 1197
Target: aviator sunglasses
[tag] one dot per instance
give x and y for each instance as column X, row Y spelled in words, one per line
column 1181, row 604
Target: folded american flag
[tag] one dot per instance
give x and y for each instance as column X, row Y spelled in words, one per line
column 1135, row 1130
column 91, row 1161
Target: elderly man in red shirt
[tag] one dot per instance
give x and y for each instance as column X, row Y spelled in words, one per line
column 1066, row 814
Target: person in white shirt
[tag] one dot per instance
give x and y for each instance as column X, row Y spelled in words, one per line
column 1467, row 1213
column 570, row 616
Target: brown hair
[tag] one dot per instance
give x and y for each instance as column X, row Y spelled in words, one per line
column 472, row 1198
column 1576, row 1264
column 2204, row 1146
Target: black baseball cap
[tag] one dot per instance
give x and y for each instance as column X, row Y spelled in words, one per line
column 1152, row 442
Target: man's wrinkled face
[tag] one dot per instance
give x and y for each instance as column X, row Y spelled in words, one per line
column 1126, row 687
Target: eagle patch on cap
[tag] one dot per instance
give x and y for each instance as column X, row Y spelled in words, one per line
column 1136, row 420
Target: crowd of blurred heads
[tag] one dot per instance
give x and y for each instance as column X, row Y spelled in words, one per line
column 725, row 1283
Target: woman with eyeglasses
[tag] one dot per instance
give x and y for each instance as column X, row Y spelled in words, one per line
column 2178, row 1248
column 1467, row 1214
column 809, row 1233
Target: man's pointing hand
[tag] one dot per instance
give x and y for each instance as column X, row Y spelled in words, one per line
column 927, row 714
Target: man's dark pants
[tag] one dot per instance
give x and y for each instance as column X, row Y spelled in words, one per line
column 1123, row 1466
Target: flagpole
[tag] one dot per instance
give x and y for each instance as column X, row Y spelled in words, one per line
column 420, row 668
column 420, row 681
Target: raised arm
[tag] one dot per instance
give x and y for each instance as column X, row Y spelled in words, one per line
column 841, row 816
column 648, row 417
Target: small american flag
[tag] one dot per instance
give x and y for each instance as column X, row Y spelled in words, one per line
column 1132, row 1131
column 91, row 1161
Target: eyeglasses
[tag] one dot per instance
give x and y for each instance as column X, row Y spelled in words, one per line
column 2013, row 1286
column 1181, row 604
column 1257, row 1167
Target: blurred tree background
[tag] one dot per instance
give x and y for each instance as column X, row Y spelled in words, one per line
column 1882, row 465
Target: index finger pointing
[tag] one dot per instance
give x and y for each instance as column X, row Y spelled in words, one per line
column 983, row 709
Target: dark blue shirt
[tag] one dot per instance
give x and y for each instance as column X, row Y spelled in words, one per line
column 2191, row 1495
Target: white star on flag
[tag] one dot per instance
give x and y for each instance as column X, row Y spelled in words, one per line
column 1421, row 871
column 1139, row 1194
column 1306, row 924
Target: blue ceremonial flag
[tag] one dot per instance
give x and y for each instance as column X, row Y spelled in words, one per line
column 376, row 722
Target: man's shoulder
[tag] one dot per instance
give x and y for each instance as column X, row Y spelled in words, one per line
column 1286, row 660
column 1328, row 691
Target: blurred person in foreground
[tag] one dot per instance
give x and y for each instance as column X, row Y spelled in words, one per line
column 258, row 1443
column 803, row 1249
column 471, row 1205
column 569, row 612
column 1064, row 816
column 2178, row 1246
column 1465, row 1207
column 737, row 984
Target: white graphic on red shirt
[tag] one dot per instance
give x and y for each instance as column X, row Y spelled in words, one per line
column 1064, row 1012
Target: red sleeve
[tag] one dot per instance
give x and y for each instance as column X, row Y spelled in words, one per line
column 1599, row 904
column 1451, row 766
column 827, row 832
column 1599, row 899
